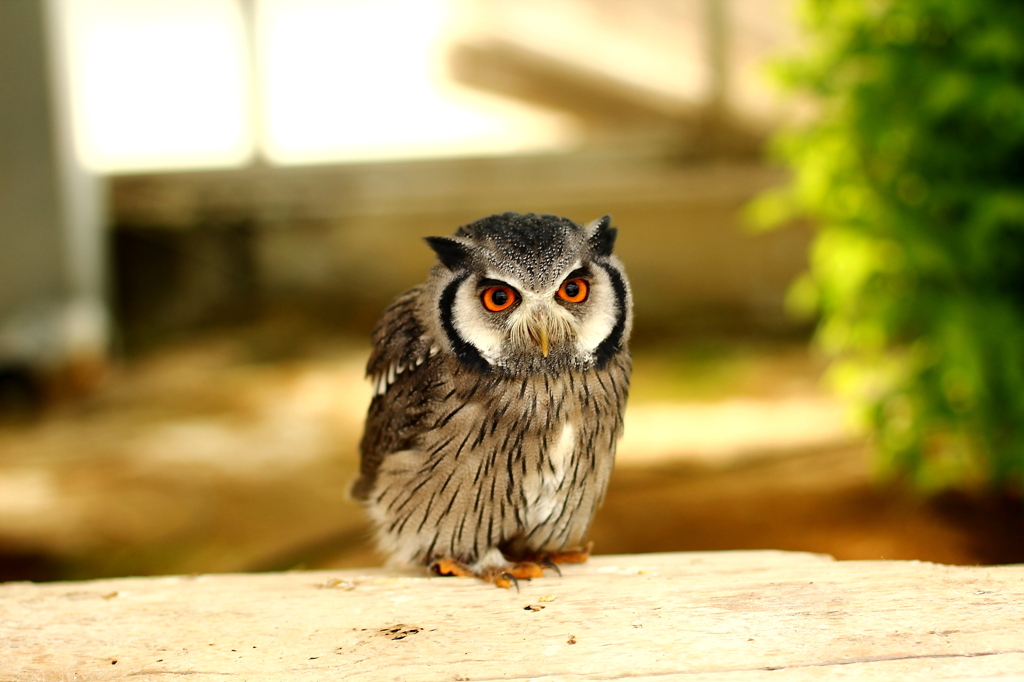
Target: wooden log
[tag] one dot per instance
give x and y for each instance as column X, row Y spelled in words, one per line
column 762, row 615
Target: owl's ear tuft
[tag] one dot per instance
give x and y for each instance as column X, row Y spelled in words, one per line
column 602, row 236
column 452, row 253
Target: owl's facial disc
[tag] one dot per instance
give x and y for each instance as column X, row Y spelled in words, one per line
column 525, row 327
column 531, row 294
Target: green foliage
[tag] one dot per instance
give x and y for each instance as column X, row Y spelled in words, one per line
column 914, row 173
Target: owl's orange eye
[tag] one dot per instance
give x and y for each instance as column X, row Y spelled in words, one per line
column 497, row 299
column 574, row 290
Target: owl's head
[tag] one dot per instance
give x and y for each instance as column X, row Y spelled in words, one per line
column 525, row 294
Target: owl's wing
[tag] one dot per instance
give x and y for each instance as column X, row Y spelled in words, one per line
column 400, row 343
column 402, row 349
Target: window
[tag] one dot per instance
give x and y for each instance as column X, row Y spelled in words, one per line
column 178, row 84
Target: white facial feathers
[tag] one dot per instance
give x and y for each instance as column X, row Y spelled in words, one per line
column 472, row 325
column 603, row 313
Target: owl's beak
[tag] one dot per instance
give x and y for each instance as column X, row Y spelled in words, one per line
column 538, row 331
column 538, row 325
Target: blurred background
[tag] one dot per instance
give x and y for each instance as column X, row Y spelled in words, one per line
column 205, row 204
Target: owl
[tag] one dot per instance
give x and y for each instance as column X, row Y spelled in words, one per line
column 499, row 386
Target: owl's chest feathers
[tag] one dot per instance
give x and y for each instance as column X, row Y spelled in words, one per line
column 524, row 434
column 544, row 486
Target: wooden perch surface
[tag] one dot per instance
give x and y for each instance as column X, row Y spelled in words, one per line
column 696, row 616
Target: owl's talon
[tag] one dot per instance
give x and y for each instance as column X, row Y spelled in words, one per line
column 504, row 579
column 548, row 563
column 499, row 577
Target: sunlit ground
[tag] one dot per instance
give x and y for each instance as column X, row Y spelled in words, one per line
column 234, row 452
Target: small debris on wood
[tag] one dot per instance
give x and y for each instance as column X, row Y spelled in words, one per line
column 399, row 631
column 547, row 597
column 533, row 607
column 571, row 640
column 338, row 584
column 110, row 595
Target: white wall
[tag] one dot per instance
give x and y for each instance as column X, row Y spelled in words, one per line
column 51, row 211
